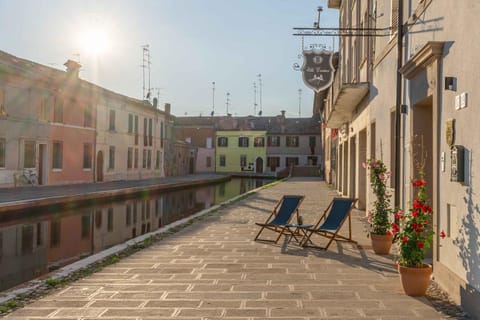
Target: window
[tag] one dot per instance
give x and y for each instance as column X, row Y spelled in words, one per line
column 259, row 142
column 150, row 132
column 136, row 130
column 111, row 121
column 85, row 226
column 111, row 157
column 29, row 154
column 209, row 143
column 27, row 239
column 392, row 148
column 243, row 161
column 43, row 112
column 88, row 119
column 312, row 160
column 58, row 111
column 158, row 158
column 292, row 141
column 130, row 158
column 130, row 123
column 223, row 161
column 144, row 159
column 87, row 156
column 39, row 235
column 57, row 161
column 161, row 134
column 222, row 142
column 149, row 159
column 145, row 128
column 3, row 151
column 273, row 141
column 135, row 163
column 312, row 141
column 273, row 162
column 188, row 139
column 209, row 162
column 243, row 142
column 292, row 161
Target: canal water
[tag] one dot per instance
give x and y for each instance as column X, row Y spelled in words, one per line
column 35, row 243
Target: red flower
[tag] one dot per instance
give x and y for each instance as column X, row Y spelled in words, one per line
column 414, row 213
column 405, row 239
column 427, row 208
column 417, row 204
column 420, row 244
column 419, row 183
column 442, row 234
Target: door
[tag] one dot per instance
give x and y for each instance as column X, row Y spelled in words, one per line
column 99, row 166
column 259, row 165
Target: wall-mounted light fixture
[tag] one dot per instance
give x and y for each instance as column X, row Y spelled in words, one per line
column 404, row 109
column 451, row 83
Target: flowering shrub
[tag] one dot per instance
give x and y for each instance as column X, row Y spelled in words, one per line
column 414, row 228
column 378, row 216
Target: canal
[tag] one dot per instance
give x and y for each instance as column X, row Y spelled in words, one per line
column 35, row 242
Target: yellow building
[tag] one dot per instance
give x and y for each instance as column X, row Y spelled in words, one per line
column 240, row 151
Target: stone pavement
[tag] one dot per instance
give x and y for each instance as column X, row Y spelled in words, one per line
column 213, row 270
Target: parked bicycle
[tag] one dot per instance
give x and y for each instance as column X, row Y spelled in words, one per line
column 27, row 177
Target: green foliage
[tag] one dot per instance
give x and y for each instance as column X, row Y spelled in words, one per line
column 54, row 282
column 378, row 216
column 10, row 304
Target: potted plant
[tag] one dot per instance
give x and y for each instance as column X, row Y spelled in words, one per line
column 378, row 216
column 414, row 235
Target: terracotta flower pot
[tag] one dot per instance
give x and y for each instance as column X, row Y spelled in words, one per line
column 415, row 281
column 381, row 243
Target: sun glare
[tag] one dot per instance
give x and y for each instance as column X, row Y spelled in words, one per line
column 94, row 41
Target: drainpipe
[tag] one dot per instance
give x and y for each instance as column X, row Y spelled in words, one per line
column 398, row 102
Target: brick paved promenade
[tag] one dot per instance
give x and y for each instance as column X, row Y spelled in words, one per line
column 213, row 270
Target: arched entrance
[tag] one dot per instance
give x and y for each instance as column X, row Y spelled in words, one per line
column 259, row 165
column 99, row 166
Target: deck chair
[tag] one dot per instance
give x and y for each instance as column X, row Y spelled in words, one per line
column 280, row 217
column 331, row 222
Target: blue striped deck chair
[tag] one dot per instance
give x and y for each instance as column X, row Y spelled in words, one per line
column 280, row 217
column 331, row 222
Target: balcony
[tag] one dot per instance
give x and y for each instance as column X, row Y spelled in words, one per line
column 346, row 97
column 334, row 4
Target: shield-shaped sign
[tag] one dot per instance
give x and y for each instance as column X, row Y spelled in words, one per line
column 317, row 69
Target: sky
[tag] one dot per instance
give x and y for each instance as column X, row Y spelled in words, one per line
column 192, row 43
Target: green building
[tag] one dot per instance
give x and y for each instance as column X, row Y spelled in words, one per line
column 240, row 151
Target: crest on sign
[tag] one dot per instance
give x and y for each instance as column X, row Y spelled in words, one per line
column 317, row 69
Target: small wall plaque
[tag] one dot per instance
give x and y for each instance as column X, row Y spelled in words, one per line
column 450, row 132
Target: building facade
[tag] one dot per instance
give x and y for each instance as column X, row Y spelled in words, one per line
column 423, row 85
column 240, row 151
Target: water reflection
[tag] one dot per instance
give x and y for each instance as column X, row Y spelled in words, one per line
column 34, row 243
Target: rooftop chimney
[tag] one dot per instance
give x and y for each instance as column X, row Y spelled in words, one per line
column 283, row 114
column 73, row 68
column 167, row 108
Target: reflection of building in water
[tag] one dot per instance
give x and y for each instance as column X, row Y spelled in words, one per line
column 69, row 237
column 22, row 253
column 205, row 195
column 181, row 204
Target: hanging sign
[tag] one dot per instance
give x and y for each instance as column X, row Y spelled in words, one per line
column 317, row 69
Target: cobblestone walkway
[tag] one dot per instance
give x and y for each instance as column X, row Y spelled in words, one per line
column 213, row 270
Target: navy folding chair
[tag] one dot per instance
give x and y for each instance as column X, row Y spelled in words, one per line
column 331, row 222
column 280, row 217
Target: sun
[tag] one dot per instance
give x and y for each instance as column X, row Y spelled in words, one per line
column 94, row 41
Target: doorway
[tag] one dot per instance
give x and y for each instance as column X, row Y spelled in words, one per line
column 353, row 167
column 259, row 165
column 362, row 171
